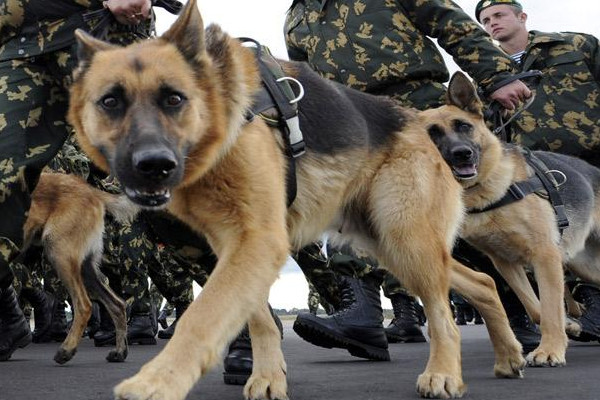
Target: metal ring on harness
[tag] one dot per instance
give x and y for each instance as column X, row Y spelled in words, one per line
column 300, row 87
column 562, row 174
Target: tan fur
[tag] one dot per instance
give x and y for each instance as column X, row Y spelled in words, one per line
column 233, row 191
column 515, row 236
column 67, row 215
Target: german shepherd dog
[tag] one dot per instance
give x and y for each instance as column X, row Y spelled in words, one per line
column 67, row 218
column 523, row 234
column 168, row 118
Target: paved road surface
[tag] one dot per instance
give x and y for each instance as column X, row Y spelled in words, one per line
column 314, row 373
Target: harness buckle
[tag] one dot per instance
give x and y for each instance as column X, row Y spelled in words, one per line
column 516, row 192
column 295, row 135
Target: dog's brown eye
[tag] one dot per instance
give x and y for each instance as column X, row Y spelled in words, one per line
column 462, row 127
column 174, row 100
column 109, row 102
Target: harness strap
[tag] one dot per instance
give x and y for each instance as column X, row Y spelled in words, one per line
column 278, row 95
column 542, row 180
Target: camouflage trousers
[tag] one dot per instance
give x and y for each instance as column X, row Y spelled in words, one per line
column 33, row 105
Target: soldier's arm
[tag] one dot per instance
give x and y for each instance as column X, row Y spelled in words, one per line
column 460, row 36
column 591, row 49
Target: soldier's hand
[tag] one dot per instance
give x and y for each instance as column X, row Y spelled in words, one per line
column 509, row 96
column 129, row 12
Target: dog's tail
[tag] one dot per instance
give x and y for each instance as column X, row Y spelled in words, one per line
column 120, row 207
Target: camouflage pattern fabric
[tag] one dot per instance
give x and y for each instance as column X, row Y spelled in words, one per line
column 565, row 115
column 37, row 55
column 382, row 46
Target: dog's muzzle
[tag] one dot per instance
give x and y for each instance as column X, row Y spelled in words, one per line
column 463, row 162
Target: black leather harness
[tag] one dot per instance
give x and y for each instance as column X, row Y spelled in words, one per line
column 542, row 183
column 276, row 105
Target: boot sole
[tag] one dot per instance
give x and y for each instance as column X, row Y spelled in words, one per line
column 149, row 341
column 406, row 339
column 235, row 379
column 314, row 334
column 19, row 344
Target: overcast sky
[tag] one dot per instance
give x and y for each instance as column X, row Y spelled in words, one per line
column 263, row 21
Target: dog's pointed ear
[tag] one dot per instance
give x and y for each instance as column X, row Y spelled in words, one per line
column 187, row 32
column 87, row 46
column 462, row 94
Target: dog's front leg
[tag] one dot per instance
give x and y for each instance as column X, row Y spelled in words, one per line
column 268, row 379
column 238, row 286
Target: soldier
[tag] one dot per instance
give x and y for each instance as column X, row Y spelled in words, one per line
column 382, row 47
column 37, row 55
column 565, row 115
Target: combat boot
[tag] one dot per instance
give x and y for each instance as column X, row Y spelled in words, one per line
column 525, row 330
column 404, row 327
column 477, row 320
column 459, row 315
column 106, row 334
column 357, row 326
column 589, row 296
column 44, row 307
column 237, row 364
column 14, row 329
column 141, row 329
column 59, row 328
column 168, row 333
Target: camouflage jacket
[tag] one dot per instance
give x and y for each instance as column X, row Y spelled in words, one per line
column 33, row 27
column 384, row 46
column 565, row 115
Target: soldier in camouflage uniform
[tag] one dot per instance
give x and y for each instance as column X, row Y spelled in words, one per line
column 565, row 115
column 37, row 55
column 383, row 47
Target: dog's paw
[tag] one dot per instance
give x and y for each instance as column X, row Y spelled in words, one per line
column 510, row 367
column 148, row 388
column 117, row 356
column 64, row 355
column 546, row 358
column 440, row 386
column 272, row 386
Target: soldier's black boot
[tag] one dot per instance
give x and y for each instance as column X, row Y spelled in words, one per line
column 357, row 326
column 404, row 327
column 14, row 329
column 168, row 333
column 141, row 329
column 162, row 318
column 59, row 329
column 525, row 330
column 589, row 296
column 459, row 315
column 237, row 364
column 44, row 307
column 106, row 334
column 477, row 319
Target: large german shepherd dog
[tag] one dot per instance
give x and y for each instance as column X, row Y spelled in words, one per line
column 168, row 118
column 67, row 218
column 523, row 234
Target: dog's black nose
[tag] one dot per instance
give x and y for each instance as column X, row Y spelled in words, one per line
column 462, row 153
column 157, row 164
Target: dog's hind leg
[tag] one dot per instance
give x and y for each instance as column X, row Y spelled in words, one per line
column 69, row 271
column 479, row 289
column 268, row 368
column 97, row 285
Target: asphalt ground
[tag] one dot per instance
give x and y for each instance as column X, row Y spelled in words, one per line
column 313, row 373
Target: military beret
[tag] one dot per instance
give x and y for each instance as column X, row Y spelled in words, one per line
column 483, row 4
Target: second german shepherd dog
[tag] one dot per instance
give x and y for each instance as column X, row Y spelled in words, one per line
column 523, row 234
column 168, row 118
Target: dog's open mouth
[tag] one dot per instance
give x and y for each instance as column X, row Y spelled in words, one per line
column 155, row 198
column 465, row 171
